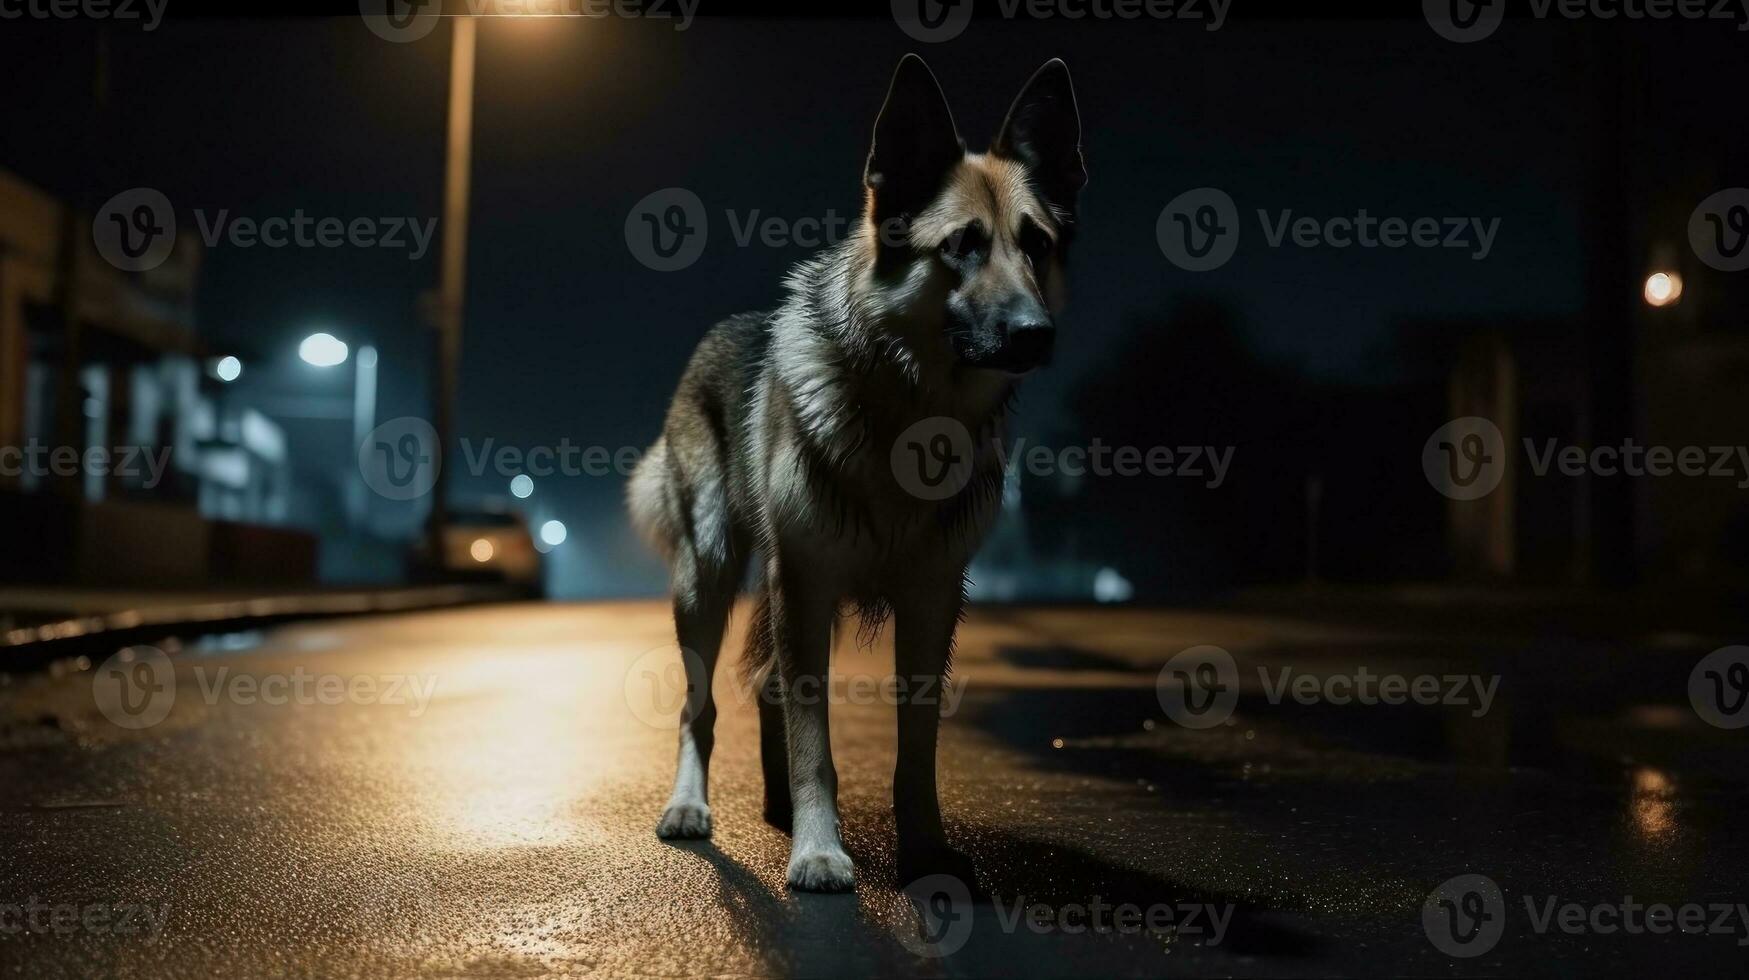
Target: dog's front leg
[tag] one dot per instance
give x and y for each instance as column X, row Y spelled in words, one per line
column 926, row 614
column 801, row 621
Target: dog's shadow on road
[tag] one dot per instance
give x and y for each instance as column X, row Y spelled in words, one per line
column 799, row 934
column 1039, row 908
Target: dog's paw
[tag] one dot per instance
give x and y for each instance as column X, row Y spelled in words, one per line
column 821, row 870
column 935, row 859
column 685, row 821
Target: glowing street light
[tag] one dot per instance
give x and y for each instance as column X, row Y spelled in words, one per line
column 323, row 350
column 228, row 369
column 1663, row 288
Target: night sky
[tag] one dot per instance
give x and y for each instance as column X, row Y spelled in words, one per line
column 569, row 336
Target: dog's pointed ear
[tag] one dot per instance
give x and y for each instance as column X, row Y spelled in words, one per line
column 915, row 143
column 1043, row 133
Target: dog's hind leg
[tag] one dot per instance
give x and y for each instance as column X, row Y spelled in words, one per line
column 761, row 673
column 704, row 591
column 774, row 753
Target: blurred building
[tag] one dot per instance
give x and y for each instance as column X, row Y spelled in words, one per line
column 120, row 460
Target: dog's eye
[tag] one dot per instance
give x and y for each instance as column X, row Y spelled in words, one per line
column 1035, row 243
column 967, row 241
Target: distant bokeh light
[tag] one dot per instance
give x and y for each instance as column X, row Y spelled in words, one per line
column 553, row 533
column 228, row 369
column 521, row 486
column 481, row 550
column 1109, row 585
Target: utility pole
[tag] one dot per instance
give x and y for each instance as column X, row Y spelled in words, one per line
column 451, row 290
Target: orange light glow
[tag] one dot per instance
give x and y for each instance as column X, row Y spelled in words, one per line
column 1663, row 288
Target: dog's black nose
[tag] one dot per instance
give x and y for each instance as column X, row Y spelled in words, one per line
column 1030, row 341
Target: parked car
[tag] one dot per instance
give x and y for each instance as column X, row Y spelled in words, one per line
column 494, row 544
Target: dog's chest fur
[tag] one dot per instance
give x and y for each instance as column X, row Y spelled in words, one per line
column 824, row 433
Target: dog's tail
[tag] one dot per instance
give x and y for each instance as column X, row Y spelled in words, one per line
column 649, row 501
column 759, row 653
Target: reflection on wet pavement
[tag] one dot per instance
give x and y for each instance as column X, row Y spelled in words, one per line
column 504, row 826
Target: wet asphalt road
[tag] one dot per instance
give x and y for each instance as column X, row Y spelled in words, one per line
column 473, row 793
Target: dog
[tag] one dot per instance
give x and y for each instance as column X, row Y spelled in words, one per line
column 845, row 445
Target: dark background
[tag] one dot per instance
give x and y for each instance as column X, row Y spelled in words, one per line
column 1589, row 142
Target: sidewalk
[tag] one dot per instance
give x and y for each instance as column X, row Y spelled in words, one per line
column 39, row 625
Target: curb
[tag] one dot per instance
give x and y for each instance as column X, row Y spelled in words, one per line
column 33, row 647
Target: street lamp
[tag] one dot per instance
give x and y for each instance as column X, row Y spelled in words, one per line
column 1662, row 288
column 324, row 350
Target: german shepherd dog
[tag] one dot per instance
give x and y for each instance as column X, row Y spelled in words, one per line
column 784, row 443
